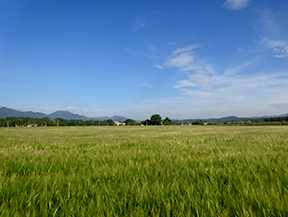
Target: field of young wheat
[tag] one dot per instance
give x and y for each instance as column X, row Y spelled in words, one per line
column 144, row 171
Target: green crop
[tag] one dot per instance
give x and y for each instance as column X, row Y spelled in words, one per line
column 144, row 171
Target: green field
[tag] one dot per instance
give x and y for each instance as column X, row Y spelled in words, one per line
column 144, row 171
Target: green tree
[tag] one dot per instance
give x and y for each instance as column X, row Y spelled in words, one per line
column 130, row 122
column 110, row 122
column 97, row 123
column 167, row 121
column 146, row 122
column 156, row 119
column 199, row 122
column 89, row 123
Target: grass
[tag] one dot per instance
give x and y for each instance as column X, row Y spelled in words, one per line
column 144, row 171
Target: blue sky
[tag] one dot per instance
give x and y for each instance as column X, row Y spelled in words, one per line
column 135, row 58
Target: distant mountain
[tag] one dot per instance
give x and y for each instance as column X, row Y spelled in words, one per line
column 114, row 118
column 119, row 118
column 66, row 115
column 229, row 118
column 223, row 119
column 7, row 112
column 102, row 118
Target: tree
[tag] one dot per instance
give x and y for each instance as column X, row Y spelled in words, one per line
column 97, row 123
column 146, row 122
column 110, row 122
column 167, row 121
column 199, row 122
column 89, row 123
column 130, row 122
column 156, row 119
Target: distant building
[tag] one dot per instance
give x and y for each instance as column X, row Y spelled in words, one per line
column 118, row 123
column 32, row 125
column 208, row 123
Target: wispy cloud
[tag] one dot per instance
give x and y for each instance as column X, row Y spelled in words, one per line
column 185, row 49
column 80, row 110
column 245, row 66
column 281, row 52
column 142, row 20
column 182, row 61
column 185, row 59
column 139, row 22
column 182, row 58
column 145, row 84
column 151, row 52
column 132, row 51
column 274, row 33
column 154, row 52
column 159, row 66
column 240, row 89
column 252, row 95
column 236, row 4
column 152, row 48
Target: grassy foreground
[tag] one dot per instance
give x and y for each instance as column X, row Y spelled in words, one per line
column 144, row 171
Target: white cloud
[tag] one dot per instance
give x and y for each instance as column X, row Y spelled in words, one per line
column 236, row 4
column 152, row 48
column 181, row 61
column 281, row 52
column 252, row 95
column 145, row 84
column 243, row 67
column 73, row 109
column 159, row 66
column 274, row 33
column 199, row 79
column 183, row 58
column 184, row 83
column 135, row 52
column 139, row 22
column 185, row 49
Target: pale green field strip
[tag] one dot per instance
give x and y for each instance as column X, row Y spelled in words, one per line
column 144, row 171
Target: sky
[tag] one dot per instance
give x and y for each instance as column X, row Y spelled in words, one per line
column 177, row 58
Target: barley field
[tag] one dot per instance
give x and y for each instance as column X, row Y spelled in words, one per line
column 144, row 171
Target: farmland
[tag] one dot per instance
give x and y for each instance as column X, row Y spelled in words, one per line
column 144, row 171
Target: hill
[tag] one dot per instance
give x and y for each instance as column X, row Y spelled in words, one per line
column 67, row 115
column 8, row 112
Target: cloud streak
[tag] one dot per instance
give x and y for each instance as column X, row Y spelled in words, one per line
column 183, row 58
column 139, row 22
column 274, row 33
column 145, row 84
column 236, row 4
column 252, row 95
column 159, row 66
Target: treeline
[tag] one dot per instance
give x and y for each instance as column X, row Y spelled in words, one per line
column 31, row 122
column 253, row 122
column 154, row 120
column 270, row 121
column 25, row 121
column 277, row 119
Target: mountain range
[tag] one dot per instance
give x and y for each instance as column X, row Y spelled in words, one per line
column 8, row 112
